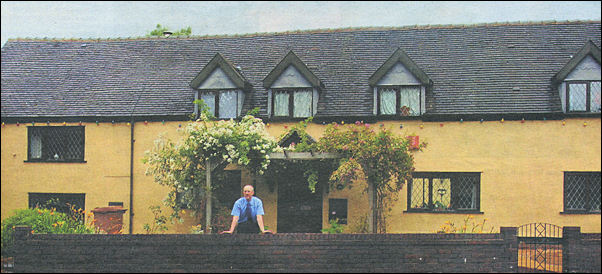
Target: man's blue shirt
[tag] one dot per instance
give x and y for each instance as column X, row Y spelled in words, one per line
column 241, row 205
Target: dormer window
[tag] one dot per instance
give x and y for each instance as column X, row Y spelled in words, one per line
column 583, row 96
column 292, row 89
column 293, row 102
column 399, row 87
column 579, row 81
column 222, row 88
column 400, row 100
column 223, row 104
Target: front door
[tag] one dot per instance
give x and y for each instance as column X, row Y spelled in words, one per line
column 299, row 210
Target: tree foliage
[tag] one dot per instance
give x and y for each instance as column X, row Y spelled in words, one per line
column 375, row 156
column 159, row 30
column 181, row 166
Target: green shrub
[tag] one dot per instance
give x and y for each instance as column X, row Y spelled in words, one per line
column 41, row 221
column 335, row 227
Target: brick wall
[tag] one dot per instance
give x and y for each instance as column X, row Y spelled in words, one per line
column 581, row 251
column 263, row 253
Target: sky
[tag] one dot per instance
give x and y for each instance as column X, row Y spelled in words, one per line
column 105, row 19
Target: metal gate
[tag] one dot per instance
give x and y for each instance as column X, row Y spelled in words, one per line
column 539, row 248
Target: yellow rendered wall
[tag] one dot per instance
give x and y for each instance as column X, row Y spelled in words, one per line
column 522, row 170
column 103, row 178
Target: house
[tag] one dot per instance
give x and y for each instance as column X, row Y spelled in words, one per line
column 511, row 114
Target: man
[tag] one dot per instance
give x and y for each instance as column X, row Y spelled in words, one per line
column 247, row 213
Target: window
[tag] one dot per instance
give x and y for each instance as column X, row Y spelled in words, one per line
column 296, row 102
column 583, row 96
column 56, row 144
column 399, row 100
column 582, row 192
column 69, row 203
column 223, row 104
column 444, row 191
column 337, row 210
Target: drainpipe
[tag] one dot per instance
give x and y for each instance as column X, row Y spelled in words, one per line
column 131, row 174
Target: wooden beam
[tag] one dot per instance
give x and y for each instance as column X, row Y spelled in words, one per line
column 219, row 166
column 208, row 196
column 287, row 155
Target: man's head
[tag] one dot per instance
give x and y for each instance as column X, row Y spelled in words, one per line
column 248, row 191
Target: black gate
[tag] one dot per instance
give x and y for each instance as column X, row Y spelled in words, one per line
column 539, row 248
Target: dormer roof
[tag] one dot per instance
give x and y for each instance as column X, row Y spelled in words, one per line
column 291, row 59
column 400, row 56
column 218, row 61
column 589, row 49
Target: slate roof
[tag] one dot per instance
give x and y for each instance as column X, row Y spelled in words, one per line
column 479, row 69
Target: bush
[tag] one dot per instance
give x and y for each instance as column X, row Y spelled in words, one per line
column 472, row 227
column 46, row 221
column 335, row 227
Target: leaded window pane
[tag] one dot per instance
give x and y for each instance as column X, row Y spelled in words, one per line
column 281, row 103
column 576, row 194
column 464, row 191
column 410, row 100
column 582, row 191
column 227, row 104
column 57, row 143
column 420, row 193
column 441, row 192
column 209, row 99
column 444, row 191
column 596, row 187
column 35, row 145
column 302, row 103
column 595, row 96
column 388, row 101
column 577, row 97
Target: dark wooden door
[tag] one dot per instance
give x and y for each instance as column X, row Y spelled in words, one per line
column 299, row 210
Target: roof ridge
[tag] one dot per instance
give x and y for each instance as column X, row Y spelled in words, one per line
column 310, row 31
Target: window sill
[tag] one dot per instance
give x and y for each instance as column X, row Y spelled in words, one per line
column 580, row 212
column 50, row 161
column 398, row 117
column 286, row 119
column 584, row 114
column 445, row 211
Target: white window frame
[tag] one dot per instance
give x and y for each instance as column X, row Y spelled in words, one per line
column 217, row 97
column 291, row 101
column 398, row 88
